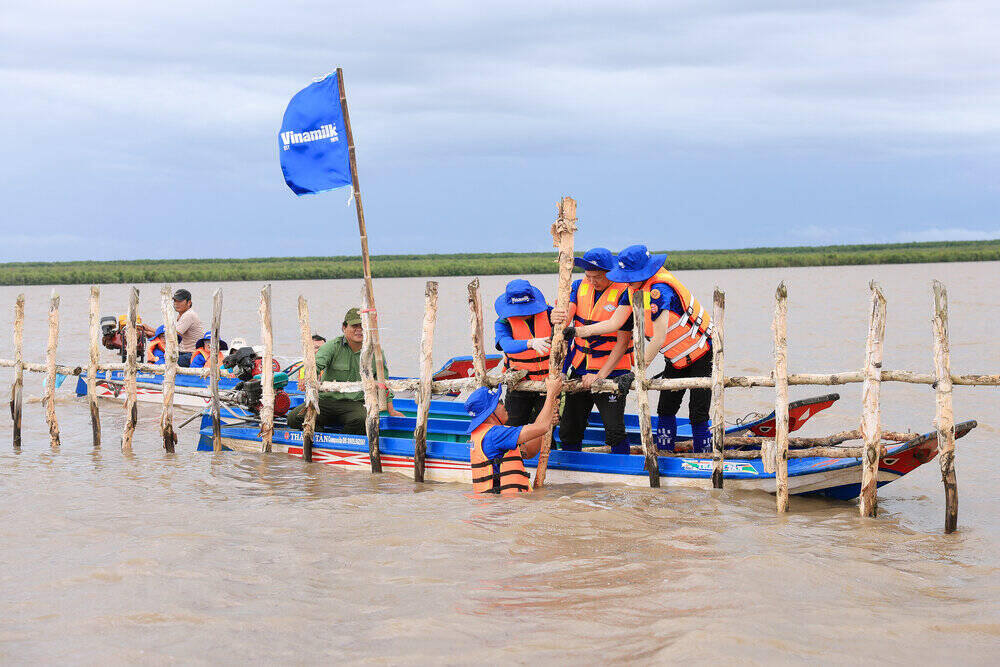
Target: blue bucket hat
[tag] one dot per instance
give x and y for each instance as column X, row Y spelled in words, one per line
column 636, row 264
column 480, row 405
column 521, row 298
column 207, row 339
column 596, row 259
column 159, row 331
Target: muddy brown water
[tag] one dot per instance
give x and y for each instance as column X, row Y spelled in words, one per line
column 205, row 558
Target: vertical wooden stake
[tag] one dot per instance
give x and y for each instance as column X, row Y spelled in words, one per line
column 131, row 371
column 309, row 380
column 368, row 352
column 267, row 372
column 562, row 230
column 871, row 429
column 944, row 419
column 718, row 410
column 780, row 327
column 427, row 372
column 50, row 382
column 642, row 395
column 17, row 387
column 95, row 352
column 169, row 368
column 213, row 367
column 476, row 329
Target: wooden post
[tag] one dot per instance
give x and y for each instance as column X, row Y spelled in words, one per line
column 427, row 372
column 50, row 381
column 641, row 396
column 718, row 411
column 871, row 428
column 267, row 372
column 95, row 352
column 17, row 387
column 944, row 419
column 213, row 367
column 562, row 237
column 370, row 315
column 169, row 368
column 780, row 327
column 476, row 329
column 309, row 379
column 131, row 371
column 368, row 351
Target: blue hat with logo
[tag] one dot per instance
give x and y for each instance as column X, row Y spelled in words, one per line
column 596, row 259
column 480, row 405
column 636, row 264
column 519, row 299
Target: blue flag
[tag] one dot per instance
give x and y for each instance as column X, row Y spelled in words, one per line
column 312, row 143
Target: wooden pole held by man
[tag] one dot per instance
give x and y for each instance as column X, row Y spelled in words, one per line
column 641, row 388
column 476, row 331
column 369, row 312
column 562, row 230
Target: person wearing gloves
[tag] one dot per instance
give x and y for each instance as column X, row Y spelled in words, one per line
column 678, row 326
column 498, row 450
column 524, row 334
column 596, row 299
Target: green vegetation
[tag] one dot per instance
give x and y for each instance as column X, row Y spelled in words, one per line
column 383, row 266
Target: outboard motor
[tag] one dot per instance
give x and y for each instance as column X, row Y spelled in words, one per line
column 246, row 363
column 113, row 336
column 250, row 393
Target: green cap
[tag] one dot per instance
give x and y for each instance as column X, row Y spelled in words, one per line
column 352, row 316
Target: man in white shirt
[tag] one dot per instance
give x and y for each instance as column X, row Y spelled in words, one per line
column 189, row 327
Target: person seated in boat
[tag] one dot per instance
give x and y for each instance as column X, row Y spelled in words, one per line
column 156, row 349
column 203, row 351
column 339, row 360
column 595, row 299
column 498, row 450
column 678, row 326
column 523, row 333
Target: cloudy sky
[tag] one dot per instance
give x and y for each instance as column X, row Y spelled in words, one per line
column 137, row 129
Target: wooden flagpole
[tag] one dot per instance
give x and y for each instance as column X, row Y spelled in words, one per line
column 370, row 312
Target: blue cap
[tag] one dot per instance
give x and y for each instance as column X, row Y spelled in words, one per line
column 159, row 331
column 596, row 259
column 521, row 298
column 636, row 264
column 480, row 405
column 204, row 340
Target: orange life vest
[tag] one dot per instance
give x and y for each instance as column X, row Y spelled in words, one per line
column 504, row 475
column 203, row 353
column 688, row 335
column 594, row 349
column 155, row 344
column 529, row 360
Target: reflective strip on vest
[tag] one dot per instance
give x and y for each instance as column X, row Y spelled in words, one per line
column 505, row 474
column 685, row 327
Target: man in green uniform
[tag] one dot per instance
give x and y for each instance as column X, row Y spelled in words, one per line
column 340, row 361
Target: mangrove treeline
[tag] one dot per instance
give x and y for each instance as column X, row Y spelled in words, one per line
column 384, row 266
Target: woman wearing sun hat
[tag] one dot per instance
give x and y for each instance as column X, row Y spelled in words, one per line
column 678, row 326
column 497, row 450
column 523, row 332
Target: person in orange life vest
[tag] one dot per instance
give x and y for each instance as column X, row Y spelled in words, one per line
column 156, row 350
column 203, row 349
column 679, row 327
column 595, row 299
column 497, row 450
column 524, row 334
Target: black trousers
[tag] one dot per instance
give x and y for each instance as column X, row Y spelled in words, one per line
column 576, row 411
column 523, row 407
column 700, row 399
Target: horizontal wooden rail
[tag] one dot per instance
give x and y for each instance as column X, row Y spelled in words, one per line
column 79, row 370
